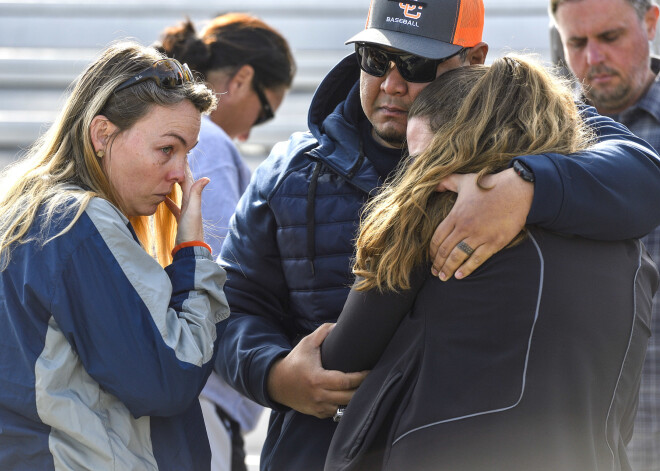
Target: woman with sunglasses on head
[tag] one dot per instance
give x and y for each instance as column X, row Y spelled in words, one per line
column 250, row 67
column 110, row 301
column 532, row 362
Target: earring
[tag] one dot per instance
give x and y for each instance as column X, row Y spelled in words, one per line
column 100, row 153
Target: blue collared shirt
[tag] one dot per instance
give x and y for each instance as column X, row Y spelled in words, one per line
column 643, row 119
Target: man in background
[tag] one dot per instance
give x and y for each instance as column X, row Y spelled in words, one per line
column 606, row 46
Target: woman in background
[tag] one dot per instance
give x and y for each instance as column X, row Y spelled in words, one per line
column 104, row 350
column 250, row 67
column 532, row 362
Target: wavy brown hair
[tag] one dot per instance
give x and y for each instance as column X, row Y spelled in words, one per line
column 482, row 117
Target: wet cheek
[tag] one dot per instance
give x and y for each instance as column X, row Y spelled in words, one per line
column 138, row 178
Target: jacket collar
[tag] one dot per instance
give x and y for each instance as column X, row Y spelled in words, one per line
column 333, row 120
column 650, row 101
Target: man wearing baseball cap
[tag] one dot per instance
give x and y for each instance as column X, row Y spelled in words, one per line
column 288, row 250
column 433, row 30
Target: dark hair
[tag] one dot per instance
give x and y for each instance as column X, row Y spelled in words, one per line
column 230, row 41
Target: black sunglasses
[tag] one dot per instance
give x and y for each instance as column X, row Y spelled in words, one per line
column 376, row 61
column 167, row 73
column 266, row 113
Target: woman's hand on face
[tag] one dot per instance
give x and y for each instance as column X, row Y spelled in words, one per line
column 189, row 216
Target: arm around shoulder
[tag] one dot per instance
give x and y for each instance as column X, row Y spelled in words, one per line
column 606, row 192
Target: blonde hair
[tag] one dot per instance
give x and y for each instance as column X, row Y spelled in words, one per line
column 63, row 158
column 481, row 117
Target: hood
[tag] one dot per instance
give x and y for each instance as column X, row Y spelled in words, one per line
column 333, row 91
column 333, row 120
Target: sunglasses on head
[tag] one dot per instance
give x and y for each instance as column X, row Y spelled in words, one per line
column 266, row 113
column 376, row 61
column 167, row 73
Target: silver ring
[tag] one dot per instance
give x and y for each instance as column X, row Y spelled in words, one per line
column 339, row 414
column 462, row 245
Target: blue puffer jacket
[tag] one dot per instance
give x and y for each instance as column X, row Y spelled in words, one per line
column 287, row 254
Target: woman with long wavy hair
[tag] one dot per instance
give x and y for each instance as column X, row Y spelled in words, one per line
column 110, row 300
column 533, row 361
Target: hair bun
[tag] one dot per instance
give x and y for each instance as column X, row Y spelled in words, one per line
column 182, row 43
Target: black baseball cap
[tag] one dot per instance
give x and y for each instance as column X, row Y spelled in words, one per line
column 434, row 29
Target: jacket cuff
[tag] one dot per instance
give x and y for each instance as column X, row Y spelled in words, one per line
column 548, row 189
column 192, row 243
column 265, row 358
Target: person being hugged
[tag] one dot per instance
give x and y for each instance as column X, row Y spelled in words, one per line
column 494, row 371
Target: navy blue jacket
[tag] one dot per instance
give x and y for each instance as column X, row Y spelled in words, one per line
column 103, row 353
column 287, row 253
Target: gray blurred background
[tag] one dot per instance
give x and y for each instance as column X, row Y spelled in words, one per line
column 45, row 44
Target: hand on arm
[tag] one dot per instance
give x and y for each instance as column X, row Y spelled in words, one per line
column 299, row 381
column 487, row 220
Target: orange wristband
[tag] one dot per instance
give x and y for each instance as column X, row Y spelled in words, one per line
column 192, row 243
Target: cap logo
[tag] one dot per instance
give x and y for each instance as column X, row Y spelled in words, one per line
column 433, row 29
column 408, row 10
column 411, row 11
